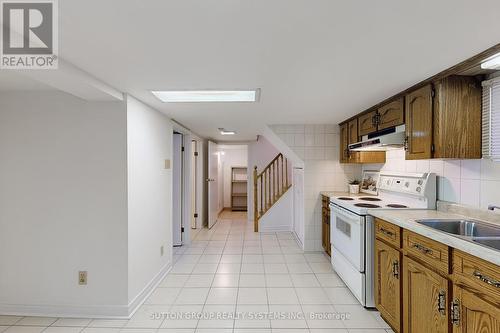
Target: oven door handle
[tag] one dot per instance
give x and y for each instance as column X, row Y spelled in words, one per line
column 350, row 216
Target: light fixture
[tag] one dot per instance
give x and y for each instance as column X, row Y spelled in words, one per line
column 492, row 62
column 226, row 132
column 196, row 96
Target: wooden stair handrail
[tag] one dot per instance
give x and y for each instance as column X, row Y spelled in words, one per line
column 270, row 163
column 269, row 186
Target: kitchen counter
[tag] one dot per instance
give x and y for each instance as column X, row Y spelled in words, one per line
column 407, row 219
column 331, row 194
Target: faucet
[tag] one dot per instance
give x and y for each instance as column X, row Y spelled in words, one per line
column 493, row 207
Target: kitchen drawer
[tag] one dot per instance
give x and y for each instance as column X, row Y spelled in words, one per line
column 477, row 274
column 388, row 232
column 437, row 255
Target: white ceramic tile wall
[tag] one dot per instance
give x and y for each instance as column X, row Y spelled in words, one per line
column 469, row 182
column 318, row 146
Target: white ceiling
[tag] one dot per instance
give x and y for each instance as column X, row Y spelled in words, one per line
column 316, row 61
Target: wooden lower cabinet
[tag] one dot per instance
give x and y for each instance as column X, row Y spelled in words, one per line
column 425, row 299
column 472, row 314
column 387, row 283
column 325, row 225
column 420, row 296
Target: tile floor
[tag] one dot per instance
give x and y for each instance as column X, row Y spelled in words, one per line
column 234, row 280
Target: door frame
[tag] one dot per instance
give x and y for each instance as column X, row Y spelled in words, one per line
column 187, row 182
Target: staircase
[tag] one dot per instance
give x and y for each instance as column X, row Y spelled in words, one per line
column 269, row 186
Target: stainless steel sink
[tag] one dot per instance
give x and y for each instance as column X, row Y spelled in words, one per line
column 476, row 231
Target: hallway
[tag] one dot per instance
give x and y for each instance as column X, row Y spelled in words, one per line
column 234, row 280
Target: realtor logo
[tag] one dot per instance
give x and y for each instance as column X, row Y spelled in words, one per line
column 29, row 34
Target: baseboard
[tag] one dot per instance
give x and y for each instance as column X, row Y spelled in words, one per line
column 148, row 289
column 276, row 228
column 297, row 239
column 66, row 311
column 87, row 311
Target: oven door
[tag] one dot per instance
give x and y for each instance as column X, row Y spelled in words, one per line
column 347, row 235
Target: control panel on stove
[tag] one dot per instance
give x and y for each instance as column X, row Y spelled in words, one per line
column 404, row 184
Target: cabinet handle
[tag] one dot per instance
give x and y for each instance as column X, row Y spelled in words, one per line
column 442, row 302
column 422, row 248
column 386, row 232
column 455, row 312
column 395, row 269
column 486, row 279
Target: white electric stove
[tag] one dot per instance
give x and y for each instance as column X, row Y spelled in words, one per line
column 353, row 232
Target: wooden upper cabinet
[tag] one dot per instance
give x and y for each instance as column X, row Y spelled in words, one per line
column 457, row 118
column 387, row 283
column 419, row 123
column 344, row 142
column 353, row 131
column 367, row 123
column 472, row 314
column 391, row 114
column 425, row 299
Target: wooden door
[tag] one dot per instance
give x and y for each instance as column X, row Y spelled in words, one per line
column 425, row 299
column 353, row 131
column 367, row 123
column 472, row 314
column 391, row 114
column 344, row 142
column 419, row 124
column 387, row 284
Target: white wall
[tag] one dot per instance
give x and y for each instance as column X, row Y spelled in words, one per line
column 470, row 182
column 318, row 146
column 234, row 156
column 63, row 204
column 280, row 216
column 149, row 140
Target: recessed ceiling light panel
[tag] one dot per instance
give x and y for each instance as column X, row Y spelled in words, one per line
column 226, row 132
column 207, row 96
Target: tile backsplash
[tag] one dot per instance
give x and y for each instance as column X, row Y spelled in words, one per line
column 469, row 182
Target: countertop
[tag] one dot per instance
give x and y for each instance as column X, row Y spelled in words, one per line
column 405, row 218
column 331, row 194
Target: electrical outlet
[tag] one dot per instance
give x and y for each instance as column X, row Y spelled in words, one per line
column 167, row 164
column 161, row 250
column 82, row 278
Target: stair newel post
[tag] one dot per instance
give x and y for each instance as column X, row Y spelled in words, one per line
column 255, row 202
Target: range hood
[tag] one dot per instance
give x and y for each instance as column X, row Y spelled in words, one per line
column 392, row 138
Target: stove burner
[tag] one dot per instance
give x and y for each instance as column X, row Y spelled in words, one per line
column 370, row 199
column 345, row 198
column 366, row 205
column 396, row 206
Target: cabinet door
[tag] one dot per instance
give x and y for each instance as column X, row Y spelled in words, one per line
column 353, row 131
column 471, row 314
column 367, row 123
column 419, row 124
column 344, row 141
column 328, row 242
column 325, row 231
column 425, row 299
column 391, row 114
column 387, row 284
